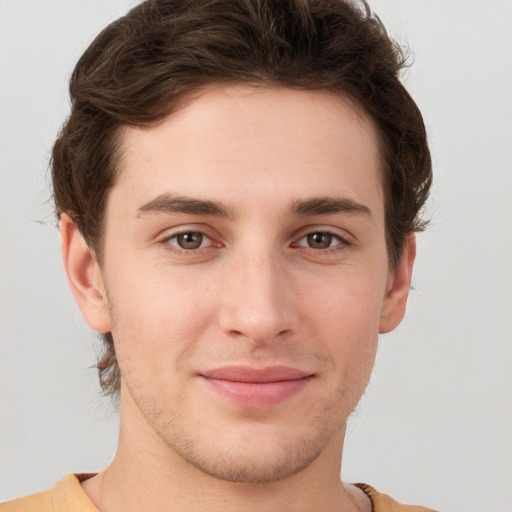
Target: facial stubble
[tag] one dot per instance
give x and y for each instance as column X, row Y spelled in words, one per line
column 238, row 462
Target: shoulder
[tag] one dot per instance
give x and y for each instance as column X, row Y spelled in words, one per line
column 66, row 495
column 40, row 502
column 384, row 503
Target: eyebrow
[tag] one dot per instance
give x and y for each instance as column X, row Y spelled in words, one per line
column 171, row 203
column 329, row 205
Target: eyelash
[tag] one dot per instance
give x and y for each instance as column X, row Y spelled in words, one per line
column 342, row 243
column 176, row 249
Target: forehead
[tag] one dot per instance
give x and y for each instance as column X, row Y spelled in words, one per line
column 241, row 142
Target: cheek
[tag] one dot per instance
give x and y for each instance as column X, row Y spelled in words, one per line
column 157, row 320
column 346, row 316
column 347, row 303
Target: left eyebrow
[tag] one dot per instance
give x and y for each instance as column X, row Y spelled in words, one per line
column 329, row 205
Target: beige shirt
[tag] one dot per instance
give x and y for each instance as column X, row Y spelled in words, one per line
column 67, row 495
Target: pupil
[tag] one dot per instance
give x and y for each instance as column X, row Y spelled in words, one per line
column 319, row 240
column 190, row 240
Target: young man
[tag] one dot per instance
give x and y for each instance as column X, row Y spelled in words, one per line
column 238, row 186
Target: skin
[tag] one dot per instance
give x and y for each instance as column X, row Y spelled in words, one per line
column 270, row 281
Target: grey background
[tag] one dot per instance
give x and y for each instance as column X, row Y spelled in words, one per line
column 435, row 426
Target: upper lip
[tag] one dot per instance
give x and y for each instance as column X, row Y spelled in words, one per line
column 256, row 375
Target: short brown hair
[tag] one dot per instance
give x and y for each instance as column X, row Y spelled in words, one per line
column 139, row 68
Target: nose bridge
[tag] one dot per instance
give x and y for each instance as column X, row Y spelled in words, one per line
column 258, row 303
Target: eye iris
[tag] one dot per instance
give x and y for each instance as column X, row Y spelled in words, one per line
column 190, row 240
column 319, row 240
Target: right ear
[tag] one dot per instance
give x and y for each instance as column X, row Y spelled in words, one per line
column 84, row 276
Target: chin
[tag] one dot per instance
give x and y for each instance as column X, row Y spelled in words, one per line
column 261, row 453
column 243, row 467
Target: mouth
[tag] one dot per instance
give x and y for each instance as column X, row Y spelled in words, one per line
column 256, row 387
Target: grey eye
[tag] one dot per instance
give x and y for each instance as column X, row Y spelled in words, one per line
column 190, row 240
column 319, row 240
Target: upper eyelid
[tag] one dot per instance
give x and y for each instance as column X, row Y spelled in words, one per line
column 324, row 232
column 213, row 235
column 342, row 241
column 338, row 232
column 178, row 233
column 183, row 232
column 169, row 233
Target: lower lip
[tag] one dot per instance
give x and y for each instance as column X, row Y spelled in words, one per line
column 257, row 394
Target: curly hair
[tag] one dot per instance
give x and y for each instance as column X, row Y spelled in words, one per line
column 138, row 69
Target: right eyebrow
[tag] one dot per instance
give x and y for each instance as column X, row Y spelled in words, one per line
column 172, row 203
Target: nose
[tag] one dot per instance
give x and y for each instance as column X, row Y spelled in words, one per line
column 258, row 301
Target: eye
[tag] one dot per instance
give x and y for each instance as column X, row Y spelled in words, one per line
column 320, row 240
column 189, row 240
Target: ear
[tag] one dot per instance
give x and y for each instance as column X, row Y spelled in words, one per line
column 395, row 301
column 84, row 276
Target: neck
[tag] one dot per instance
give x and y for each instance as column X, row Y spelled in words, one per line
column 146, row 474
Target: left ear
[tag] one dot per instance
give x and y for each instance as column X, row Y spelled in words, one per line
column 393, row 309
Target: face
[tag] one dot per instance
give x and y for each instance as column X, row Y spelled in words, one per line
column 245, row 277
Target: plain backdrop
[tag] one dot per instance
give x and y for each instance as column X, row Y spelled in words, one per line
column 435, row 425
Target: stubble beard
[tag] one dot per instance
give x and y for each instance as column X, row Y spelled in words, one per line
column 238, row 462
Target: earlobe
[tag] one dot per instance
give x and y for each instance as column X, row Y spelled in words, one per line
column 84, row 276
column 395, row 302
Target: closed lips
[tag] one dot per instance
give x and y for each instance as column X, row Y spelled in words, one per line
column 256, row 375
column 251, row 387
